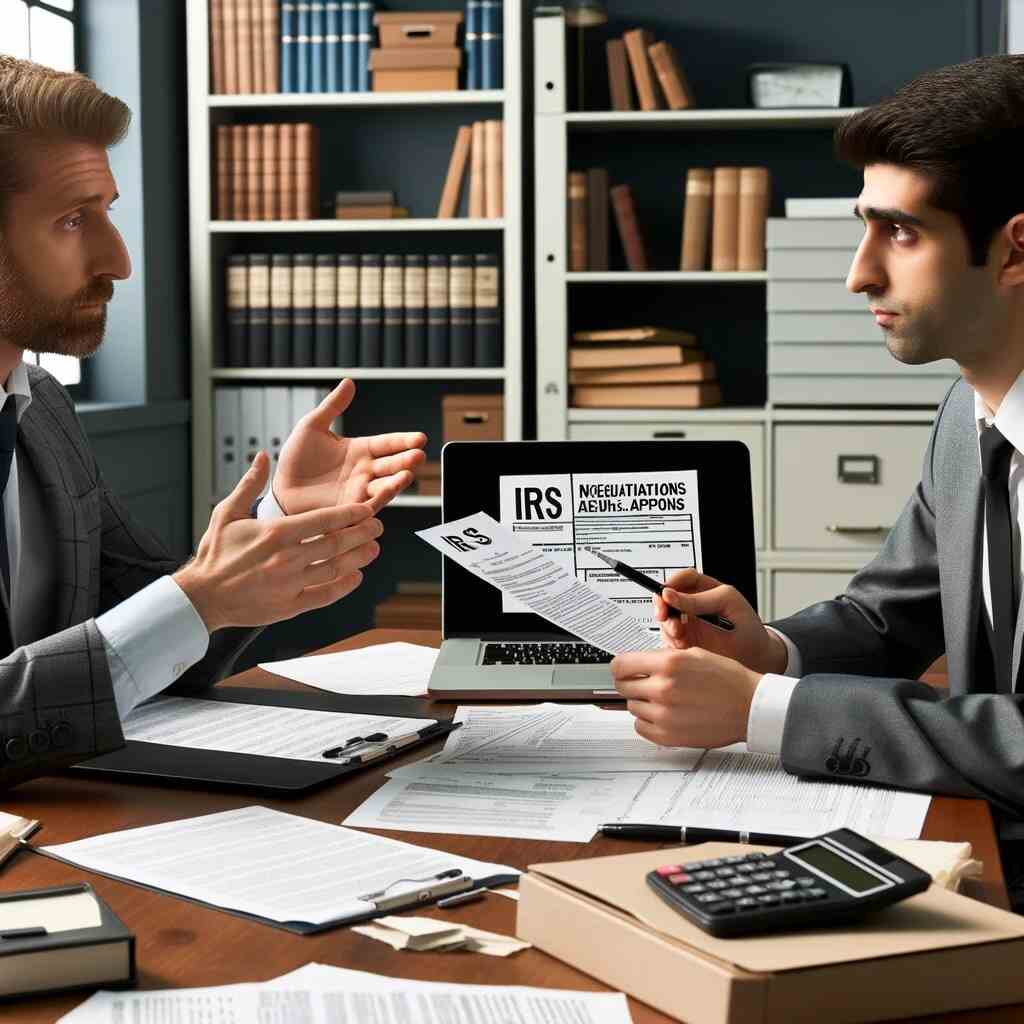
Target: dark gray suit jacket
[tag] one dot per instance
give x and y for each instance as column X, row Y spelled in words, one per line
column 56, row 699
column 857, row 712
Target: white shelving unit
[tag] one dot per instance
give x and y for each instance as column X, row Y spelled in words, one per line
column 206, row 320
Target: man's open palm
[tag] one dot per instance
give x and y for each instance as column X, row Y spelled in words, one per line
column 318, row 469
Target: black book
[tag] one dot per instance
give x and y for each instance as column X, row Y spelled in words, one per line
column 437, row 310
column 259, row 310
column 460, row 290
column 348, row 309
column 486, row 318
column 370, row 298
column 280, row 309
column 415, row 298
column 237, row 288
column 302, row 309
column 325, row 317
column 394, row 310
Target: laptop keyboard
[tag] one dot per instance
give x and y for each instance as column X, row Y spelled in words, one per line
column 544, row 654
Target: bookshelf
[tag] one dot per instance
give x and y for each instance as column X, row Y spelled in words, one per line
column 357, row 120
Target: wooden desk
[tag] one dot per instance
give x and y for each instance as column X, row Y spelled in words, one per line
column 181, row 944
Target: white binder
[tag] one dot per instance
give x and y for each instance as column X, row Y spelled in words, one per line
column 227, row 440
column 277, row 420
column 253, row 430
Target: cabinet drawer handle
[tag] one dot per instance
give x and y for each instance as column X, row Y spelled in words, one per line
column 838, row 528
column 668, row 433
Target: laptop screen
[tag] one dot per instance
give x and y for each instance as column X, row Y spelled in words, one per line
column 658, row 506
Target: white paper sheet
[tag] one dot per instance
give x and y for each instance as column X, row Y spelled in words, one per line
column 265, row 862
column 482, row 545
column 54, row 913
column 396, row 669
column 293, row 733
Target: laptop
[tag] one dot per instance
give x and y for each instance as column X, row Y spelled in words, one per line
column 657, row 505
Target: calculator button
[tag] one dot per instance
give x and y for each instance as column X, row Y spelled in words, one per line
column 719, row 908
column 805, row 882
column 733, row 894
column 716, row 863
column 815, row 894
column 783, row 886
column 746, row 903
column 703, row 876
column 769, row 899
column 693, row 888
column 780, row 873
column 718, row 886
column 756, row 856
column 755, row 890
column 791, row 897
column 761, row 876
column 695, row 865
column 725, row 871
column 739, row 859
column 680, row 879
column 708, row 897
column 747, row 869
column 668, row 869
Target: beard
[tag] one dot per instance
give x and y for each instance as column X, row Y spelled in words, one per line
column 63, row 327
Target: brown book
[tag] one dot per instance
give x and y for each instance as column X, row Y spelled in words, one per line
column 222, row 190
column 646, row 396
column 696, row 220
column 269, row 163
column 216, row 46
column 653, row 334
column 725, row 209
column 618, row 75
column 374, row 212
column 257, row 14
column 577, row 219
column 674, row 82
column 229, row 13
column 238, row 172
column 271, row 45
column 449, row 205
column 701, row 369
column 494, row 171
column 243, row 42
column 286, row 171
column 637, row 40
column 629, row 228
column 477, row 202
column 253, row 172
column 597, row 218
column 307, row 192
column 755, row 191
column 601, row 357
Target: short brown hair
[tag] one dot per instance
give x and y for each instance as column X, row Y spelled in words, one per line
column 38, row 104
column 962, row 127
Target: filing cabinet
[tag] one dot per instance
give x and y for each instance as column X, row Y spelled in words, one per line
column 793, row 590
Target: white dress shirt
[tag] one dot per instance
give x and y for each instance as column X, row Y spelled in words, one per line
column 771, row 698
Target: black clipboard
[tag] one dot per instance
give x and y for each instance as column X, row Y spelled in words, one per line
column 276, row 776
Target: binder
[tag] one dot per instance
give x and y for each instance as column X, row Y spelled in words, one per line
column 348, row 46
column 227, row 415
column 491, row 45
column 317, row 46
column 277, row 422
column 472, row 44
column 302, row 55
column 332, row 46
column 252, row 427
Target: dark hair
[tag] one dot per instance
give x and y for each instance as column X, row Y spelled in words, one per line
column 961, row 126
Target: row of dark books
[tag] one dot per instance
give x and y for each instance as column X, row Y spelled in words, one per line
column 363, row 310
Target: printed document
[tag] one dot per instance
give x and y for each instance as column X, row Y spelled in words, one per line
column 397, row 669
column 650, row 521
column 293, row 733
column 543, row 585
column 265, row 862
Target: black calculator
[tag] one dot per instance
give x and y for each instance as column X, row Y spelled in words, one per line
column 814, row 884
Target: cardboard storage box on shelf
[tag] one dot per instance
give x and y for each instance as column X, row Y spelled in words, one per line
column 428, row 478
column 933, row 953
column 473, row 418
column 430, row 29
column 415, row 69
column 414, row 605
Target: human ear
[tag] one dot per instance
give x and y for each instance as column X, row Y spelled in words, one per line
column 1010, row 239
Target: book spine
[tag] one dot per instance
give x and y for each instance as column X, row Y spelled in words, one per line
column 449, row 205
column 325, row 305
column 472, row 45
column 259, row 310
column 306, row 194
column 332, row 46
column 281, row 310
column 460, row 291
column 253, row 172
column 238, row 154
column 302, row 309
column 289, row 45
column 491, row 44
column 618, row 75
column 217, row 46
column 486, row 318
column 725, row 218
column 271, row 45
column 477, row 202
column 577, row 192
column 222, row 189
column 755, row 188
column 302, row 54
column 629, row 227
column 243, row 40
column 349, row 57
column 597, row 218
column 317, row 45
column 286, row 171
column 259, row 84
column 494, row 187
column 238, row 312
column 670, row 75
column 269, row 164
column 369, row 310
column 414, row 291
column 394, row 310
column 364, row 40
column 637, row 40
column 230, row 15
column 437, row 310
column 348, row 309
column 696, row 219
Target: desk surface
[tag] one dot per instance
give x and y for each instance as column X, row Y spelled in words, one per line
column 180, row 944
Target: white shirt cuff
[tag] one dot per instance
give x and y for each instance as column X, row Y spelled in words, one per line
column 268, row 507
column 767, row 716
column 151, row 638
column 793, row 664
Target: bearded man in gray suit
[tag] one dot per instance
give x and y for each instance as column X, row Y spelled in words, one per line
column 96, row 615
column 832, row 689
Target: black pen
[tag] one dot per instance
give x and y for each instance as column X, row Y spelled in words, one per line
column 682, row 834
column 655, row 587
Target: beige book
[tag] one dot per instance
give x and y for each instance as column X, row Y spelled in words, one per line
column 257, row 14
column 755, row 196
column 238, row 173
column 286, row 171
column 696, row 219
column 243, row 40
column 637, row 41
column 230, row 19
column 307, row 195
column 271, row 45
column 670, row 74
column 725, row 218
column 253, row 172
column 449, row 205
column 577, row 220
column 661, row 334
column 477, row 202
column 269, row 164
column 646, row 396
column 689, row 373
column 494, row 189
column 583, row 357
column 217, row 46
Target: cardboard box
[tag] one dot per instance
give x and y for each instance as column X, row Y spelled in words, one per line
column 933, row 953
column 428, row 478
column 406, row 29
column 473, row 418
column 415, row 69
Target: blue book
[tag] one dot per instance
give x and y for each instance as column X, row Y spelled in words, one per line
column 364, row 40
column 302, row 48
column 348, row 56
column 472, row 44
column 289, row 81
column 317, row 32
column 491, row 48
column 332, row 47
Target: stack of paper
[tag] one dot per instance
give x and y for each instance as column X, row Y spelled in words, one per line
column 427, row 934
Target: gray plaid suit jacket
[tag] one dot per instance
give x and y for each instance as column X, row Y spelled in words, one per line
column 857, row 713
column 56, row 698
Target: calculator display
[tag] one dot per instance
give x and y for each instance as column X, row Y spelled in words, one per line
column 833, row 864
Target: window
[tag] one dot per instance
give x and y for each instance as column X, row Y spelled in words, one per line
column 46, row 32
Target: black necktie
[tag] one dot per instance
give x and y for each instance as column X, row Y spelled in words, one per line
column 996, row 452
